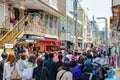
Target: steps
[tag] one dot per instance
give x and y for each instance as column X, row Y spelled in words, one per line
column 11, row 36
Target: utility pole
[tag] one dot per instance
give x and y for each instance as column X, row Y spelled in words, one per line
column 76, row 25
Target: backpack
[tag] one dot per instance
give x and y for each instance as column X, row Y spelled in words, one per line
column 104, row 71
column 77, row 71
column 14, row 75
column 27, row 73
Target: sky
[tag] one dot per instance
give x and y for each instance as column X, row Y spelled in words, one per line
column 98, row 8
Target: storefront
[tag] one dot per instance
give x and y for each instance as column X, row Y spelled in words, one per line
column 49, row 45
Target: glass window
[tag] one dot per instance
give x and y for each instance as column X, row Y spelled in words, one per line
column 46, row 20
column 51, row 21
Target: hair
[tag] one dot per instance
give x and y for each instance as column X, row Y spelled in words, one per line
column 51, row 56
column 39, row 62
column 4, row 55
column 46, row 56
column 80, row 59
column 60, row 56
column 89, row 56
column 11, row 58
column 23, row 56
column 32, row 59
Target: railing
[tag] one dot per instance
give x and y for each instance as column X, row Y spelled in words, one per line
column 6, row 23
column 11, row 35
column 5, row 26
column 19, row 26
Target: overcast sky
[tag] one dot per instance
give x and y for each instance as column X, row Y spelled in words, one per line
column 98, row 8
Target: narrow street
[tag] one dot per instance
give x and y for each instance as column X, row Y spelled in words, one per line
column 59, row 39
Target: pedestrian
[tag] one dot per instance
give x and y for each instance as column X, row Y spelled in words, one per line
column 78, row 69
column 73, row 63
column 50, row 64
column 4, row 56
column 21, row 63
column 9, row 66
column 30, row 65
column 89, row 61
column 63, row 74
column 59, row 63
column 40, row 72
column 87, row 75
column 98, row 69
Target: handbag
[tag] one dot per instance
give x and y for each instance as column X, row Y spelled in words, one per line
column 14, row 75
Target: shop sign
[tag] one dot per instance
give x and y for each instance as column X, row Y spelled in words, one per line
column 63, row 29
column 29, row 41
column 8, row 45
column 53, row 47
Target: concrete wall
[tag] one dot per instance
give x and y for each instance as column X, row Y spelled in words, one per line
column 3, row 12
column 62, row 6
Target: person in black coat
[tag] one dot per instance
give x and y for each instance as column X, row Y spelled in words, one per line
column 50, row 64
column 40, row 72
column 87, row 75
column 59, row 63
column 4, row 56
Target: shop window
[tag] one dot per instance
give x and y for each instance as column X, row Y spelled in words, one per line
column 51, row 21
column 46, row 20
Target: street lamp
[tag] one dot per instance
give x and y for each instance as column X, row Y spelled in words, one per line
column 106, row 29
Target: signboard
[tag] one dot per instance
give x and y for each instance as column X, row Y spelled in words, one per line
column 8, row 46
column 63, row 28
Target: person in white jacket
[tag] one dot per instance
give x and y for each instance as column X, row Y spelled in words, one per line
column 9, row 66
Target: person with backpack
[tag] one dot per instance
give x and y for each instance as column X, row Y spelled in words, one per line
column 4, row 56
column 63, row 74
column 40, row 72
column 89, row 61
column 11, row 69
column 73, row 63
column 50, row 64
column 87, row 75
column 77, row 70
column 28, row 71
column 99, row 71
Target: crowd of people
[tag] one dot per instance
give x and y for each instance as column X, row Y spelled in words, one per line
column 67, row 65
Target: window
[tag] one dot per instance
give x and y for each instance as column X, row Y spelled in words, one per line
column 51, row 21
column 46, row 20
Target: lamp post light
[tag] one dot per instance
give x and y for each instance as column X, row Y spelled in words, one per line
column 106, row 30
